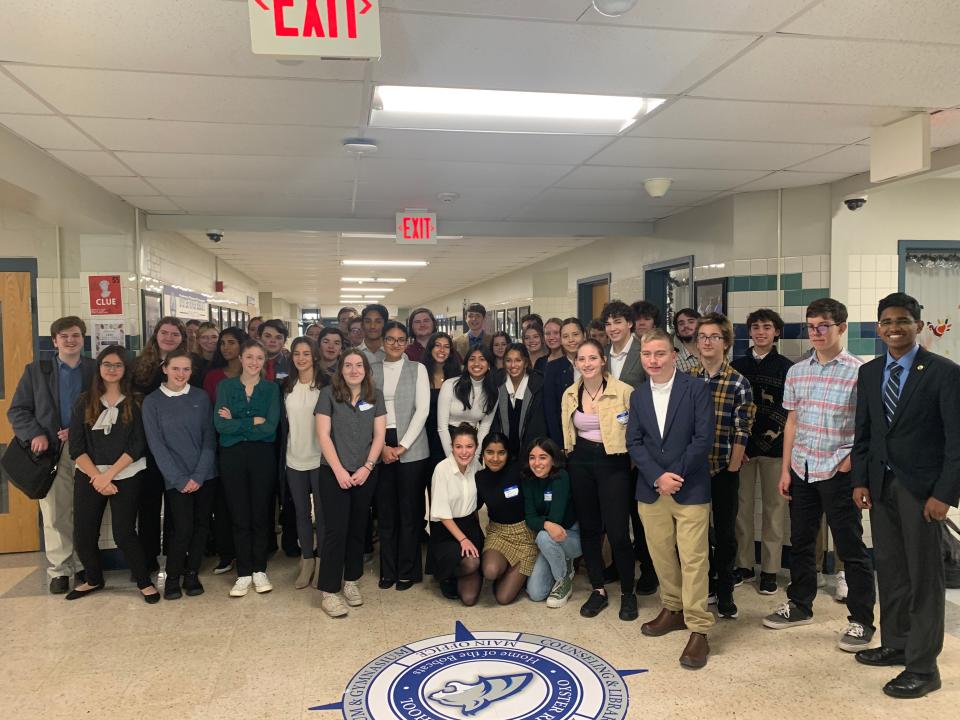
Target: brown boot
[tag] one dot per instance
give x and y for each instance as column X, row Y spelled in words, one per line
column 667, row 621
column 695, row 653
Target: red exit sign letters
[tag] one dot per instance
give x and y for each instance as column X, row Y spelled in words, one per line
column 416, row 227
column 324, row 28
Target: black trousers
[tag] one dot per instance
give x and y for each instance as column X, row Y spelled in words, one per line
column 725, row 497
column 190, row 515
column 301, row 484
column 603, row 490
column 833, row 497
column 150, row 526
column 909, row 574
column 400, row 506
column 88, row 509
column 345, row 515
column 248, row 471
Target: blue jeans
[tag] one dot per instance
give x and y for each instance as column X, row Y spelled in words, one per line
column 552, row 563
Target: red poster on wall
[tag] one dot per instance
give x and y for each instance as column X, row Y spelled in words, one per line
column 105, row 295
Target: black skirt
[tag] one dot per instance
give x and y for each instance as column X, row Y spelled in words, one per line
column 445, row 552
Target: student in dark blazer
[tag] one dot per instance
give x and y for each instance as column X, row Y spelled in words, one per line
column 670, row 431
column 559, row 375
column 906, row 472
column 519, row 413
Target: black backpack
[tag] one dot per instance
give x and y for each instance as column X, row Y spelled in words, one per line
column 951, row 553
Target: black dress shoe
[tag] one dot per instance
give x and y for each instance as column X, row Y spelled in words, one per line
column 594, row 604
column 628, row 607
column 909, row 685
column 77, row 594
column 191, row 585
column 171, row 589
column 881, row 657
column 152, row 599
column 59, row 585
column 385, row 584
column 648, row 583
column 404, row 584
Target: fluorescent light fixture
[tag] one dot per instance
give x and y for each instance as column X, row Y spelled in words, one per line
column 374, row 297
column 435, row 108
column 365, row 289
column 386, row 263
column 390, row 236
column 371, row 279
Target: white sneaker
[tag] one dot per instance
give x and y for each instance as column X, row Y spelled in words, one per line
column 840, row 595
column 820, row 580
column 241, row 587
column 332, row 605
column 351, row 594
column 261, row 583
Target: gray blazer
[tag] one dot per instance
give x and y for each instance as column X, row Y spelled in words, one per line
column 35, row 408
column 632, row 373
column 404, row 406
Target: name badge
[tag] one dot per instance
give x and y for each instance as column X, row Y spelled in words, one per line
column 363, row 405
column 511, row 492
column 623, row 417
column 282, row 375
column 548, row 495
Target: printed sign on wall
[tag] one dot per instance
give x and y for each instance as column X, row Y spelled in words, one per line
column 105, row 295
column 323, row 28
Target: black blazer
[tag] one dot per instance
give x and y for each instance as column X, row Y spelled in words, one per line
column 557, row 377
column 685, row 447
column 922, row 443
column 533, row 423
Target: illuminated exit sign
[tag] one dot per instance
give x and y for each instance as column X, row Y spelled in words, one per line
column 323, row 28
column 416, row 227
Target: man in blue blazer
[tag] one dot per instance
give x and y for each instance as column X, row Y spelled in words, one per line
column 669, row 435
column 906, row 471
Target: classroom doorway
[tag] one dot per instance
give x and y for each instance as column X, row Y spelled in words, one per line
column 592, row 294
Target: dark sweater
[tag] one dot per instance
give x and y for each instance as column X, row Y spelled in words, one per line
column 180, row 435
column 103, row 449
column 492, row 491
column 558, row 509
column 264, row 402
column 766, row 379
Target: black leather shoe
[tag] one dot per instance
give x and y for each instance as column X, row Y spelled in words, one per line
column 192, row 585
column 594, row 604
column 909, row 685
column 385, row 583
column 648, row 583
column 77, row 594
column 59, row 585
column 628, row 607
column 152, row 599
column 404, row 584
column 881, row 657
column 171, row 589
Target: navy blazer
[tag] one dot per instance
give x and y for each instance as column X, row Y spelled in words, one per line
column 922, row 443
column 557, row 377
column 685, row 447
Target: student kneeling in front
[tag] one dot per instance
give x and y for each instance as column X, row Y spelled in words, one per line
column 669, row 436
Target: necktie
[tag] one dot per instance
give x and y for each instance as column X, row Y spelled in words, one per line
column 891, row 392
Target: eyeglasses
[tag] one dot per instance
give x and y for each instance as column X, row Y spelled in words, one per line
column 712, row 338
column 820, row 329
column 112, row 366
column 898, row 322
column 394, row 341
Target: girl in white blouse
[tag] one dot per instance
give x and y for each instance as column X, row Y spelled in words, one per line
column 470, row 398
column 456, row 539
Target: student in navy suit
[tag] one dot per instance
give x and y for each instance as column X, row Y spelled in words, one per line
column 906, row 472
column 669, row 435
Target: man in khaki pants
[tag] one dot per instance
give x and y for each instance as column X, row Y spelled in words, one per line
column 40, row 414
column 670, row 431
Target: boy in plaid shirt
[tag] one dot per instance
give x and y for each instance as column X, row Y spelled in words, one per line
column 735, row 410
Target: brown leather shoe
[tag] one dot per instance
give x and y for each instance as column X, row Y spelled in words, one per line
column 695, row 653
column 667, row 621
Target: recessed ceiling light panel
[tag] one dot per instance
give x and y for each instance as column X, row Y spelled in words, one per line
column 386, row 263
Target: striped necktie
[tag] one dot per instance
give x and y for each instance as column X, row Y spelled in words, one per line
column 891, row 392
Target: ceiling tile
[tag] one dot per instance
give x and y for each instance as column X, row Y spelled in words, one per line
column 225, row 187
column 153, row 203
column 715, row 154
column 850, row 160
column 524, row 55
column 788, row 179
column 773, row 122
column 604, row 177
column 919, row 20
column 50, row 132
column 104, row 93
column 590, row 213
column 269, row 206
column 286, row 170
column 200, row 36
column 124, row 185
column 568, row 10
column 91, row 163
column 745, row 15
column 215, row 137
column 453, row 177
column 14, row 99
column 945, row 129
column 619, row 196
column 841, row 71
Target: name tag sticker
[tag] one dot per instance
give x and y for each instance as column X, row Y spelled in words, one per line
column 623, row 417
column 511, row 492
column 363, row 405
column 547, row 495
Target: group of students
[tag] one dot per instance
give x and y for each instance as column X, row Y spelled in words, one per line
column 649, row 442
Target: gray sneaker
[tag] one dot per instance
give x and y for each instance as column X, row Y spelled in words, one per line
column 855, row 638
column 562, row 590
column 786, row 615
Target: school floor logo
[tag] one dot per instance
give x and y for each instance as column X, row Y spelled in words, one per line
column 486, row 676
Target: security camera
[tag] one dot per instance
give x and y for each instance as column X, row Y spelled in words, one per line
column 215, row 235
column 855, row 203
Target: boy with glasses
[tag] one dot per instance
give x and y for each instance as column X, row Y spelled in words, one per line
column 734, row 409
column 820, row 395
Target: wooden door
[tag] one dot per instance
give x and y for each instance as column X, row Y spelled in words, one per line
column 600, row 297
column 19, row 516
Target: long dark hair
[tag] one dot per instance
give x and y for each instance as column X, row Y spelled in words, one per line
column 319, row 376
column 551, row 449
column 149, row 360
column 464, row 385
column 91, row 399
column 496, row 437
column 524, row 353
column 237, row 334
column 341, row 393
column 451, row 368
